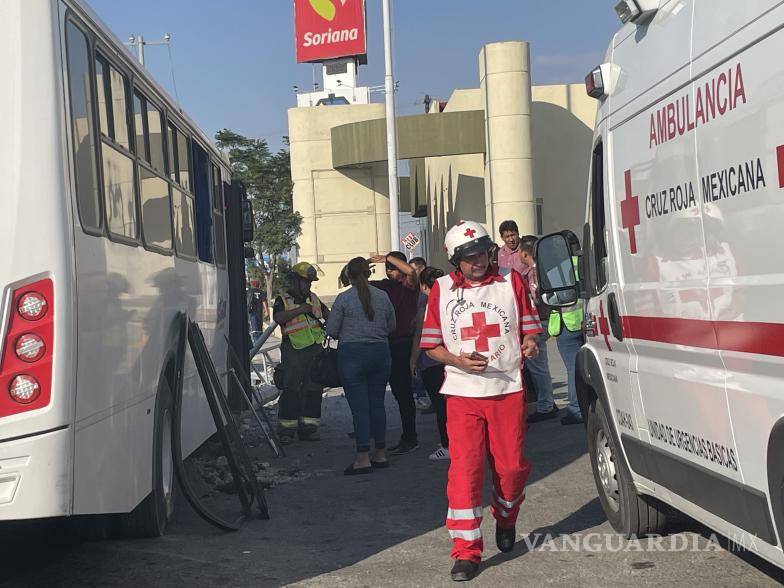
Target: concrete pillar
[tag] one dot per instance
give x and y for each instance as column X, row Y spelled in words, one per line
column 505, row 85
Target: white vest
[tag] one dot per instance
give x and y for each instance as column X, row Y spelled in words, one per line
column 484, row 319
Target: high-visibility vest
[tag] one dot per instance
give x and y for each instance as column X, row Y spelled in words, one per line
column 570, row 317
column 304, row 330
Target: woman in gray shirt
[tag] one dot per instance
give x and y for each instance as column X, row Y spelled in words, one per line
column 362, row 319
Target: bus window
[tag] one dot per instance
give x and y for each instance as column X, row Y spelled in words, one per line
column 82, row 125
column 182, row 161
column 201, row 190
column 112, row 107
column 142, row 148
column 172, row 153
column 156, row 210
column 185, row 238
column 118, row 188
column 218, row 221
column 101, row 82
column 155, row 137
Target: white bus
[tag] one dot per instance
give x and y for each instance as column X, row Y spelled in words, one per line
column 111, row 222
column 681, row 380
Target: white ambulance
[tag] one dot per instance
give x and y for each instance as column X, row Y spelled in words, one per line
column 681, row 379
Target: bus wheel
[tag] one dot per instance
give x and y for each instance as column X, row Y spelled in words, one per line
column 153, row 515
column 628, row 512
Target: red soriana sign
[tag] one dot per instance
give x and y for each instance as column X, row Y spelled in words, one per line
column 327, row 29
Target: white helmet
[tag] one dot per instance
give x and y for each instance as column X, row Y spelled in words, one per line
column 464, row 239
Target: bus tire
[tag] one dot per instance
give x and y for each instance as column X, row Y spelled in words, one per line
column 152, row 516
column 629, row 513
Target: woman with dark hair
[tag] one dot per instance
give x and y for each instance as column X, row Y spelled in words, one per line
column 362, row 319
column 431, row 372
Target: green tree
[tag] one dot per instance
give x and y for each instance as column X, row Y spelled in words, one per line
column 267, row 178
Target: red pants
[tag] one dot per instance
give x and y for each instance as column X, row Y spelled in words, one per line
column 495, row 427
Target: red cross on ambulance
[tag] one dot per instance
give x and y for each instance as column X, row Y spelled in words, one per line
column 630, row 212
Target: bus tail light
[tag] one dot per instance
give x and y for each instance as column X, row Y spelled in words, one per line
column 32, row 306
column 24, row 389
column 30, row 347
column 27, row 354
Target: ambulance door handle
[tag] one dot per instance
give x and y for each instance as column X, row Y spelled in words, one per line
column 616, row 326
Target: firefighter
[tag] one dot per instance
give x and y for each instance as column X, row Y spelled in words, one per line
column 301, row 315
column 480, row 324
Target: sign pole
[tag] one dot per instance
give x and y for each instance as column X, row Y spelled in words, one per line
column 389, row 85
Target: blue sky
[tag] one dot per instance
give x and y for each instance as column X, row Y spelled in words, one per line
column 234, row 60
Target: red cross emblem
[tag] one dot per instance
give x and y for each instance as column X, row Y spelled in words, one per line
column 604, row 325
column 470, row 233
column 480, row 333
column 630, row 212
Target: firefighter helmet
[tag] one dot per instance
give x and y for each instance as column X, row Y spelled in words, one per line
column 464, row 239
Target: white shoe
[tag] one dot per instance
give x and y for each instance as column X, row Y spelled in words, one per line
column 439, row 454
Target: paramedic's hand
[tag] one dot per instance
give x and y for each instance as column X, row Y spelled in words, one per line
column 465, row 362
column 530, row 348
column 304, row 309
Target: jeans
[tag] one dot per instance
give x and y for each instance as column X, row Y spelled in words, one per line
column 433, row 378
column 568, row 345
column 255, row 327
column 400, row 382
column 539, row 369
column 364, row 369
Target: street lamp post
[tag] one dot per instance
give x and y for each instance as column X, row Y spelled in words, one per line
column 139, row 42
column 389, row 84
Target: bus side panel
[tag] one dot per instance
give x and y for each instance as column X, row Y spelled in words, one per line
column 741, row 167
column 36, row 445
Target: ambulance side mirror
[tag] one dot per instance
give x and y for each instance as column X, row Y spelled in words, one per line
column 556, row 256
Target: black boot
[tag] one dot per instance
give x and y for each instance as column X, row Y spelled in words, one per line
column 505, row 538
column 464, row 570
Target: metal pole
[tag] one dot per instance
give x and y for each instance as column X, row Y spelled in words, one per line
column 140, row 48
column 389, row 85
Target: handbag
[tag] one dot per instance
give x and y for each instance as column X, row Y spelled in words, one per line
column 324, row 370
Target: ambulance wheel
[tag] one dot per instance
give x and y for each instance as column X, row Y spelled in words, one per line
column 153, row 515
column 629, row 513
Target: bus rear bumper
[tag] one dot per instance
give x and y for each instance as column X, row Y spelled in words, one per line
column 36, row 476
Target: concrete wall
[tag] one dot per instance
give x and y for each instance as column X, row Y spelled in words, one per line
column 562, row 119
column 345, row 213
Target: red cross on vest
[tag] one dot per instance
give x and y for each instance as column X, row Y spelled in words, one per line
column 470, row 233
column 480, row 333
column 630, row 212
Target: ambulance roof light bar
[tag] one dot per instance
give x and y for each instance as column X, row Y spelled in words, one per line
column 636, row 10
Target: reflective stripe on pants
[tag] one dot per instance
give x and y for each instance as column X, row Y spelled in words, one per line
column 495, row 427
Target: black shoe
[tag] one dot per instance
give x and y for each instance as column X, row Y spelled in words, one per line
column 543, row 416
column 352, row 471
column 572, row 419
column 505, row 538
column 404, row 447
column 379, row 465
column 464, row 570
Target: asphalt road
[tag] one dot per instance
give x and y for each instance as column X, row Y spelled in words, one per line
column 386, row 529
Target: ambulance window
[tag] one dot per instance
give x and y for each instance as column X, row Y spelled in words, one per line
column 599, row 249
